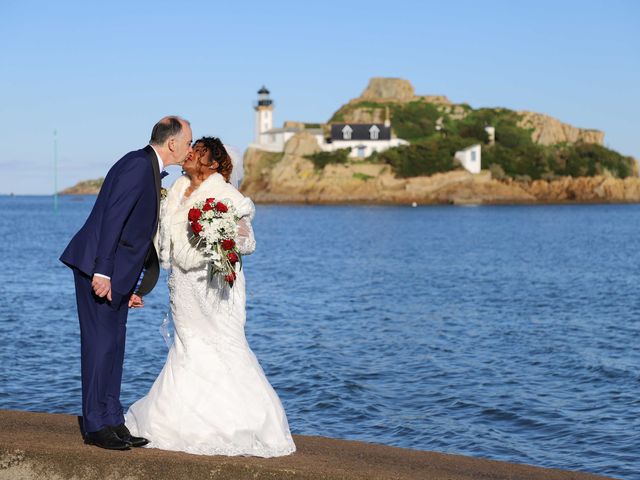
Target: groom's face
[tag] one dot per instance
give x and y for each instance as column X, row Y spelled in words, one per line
column 183, row 144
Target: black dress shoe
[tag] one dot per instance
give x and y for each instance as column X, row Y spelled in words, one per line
column 106, row 438
column 124, row 434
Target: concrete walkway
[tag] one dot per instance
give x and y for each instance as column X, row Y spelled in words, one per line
column 37, row 446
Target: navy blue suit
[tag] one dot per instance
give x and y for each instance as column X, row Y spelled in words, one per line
column 116, row 241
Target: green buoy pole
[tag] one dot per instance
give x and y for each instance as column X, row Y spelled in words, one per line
column 55, row 170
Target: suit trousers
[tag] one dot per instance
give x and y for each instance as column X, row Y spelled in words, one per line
column 103, row 328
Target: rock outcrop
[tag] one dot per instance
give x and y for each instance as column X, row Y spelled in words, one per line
column 586, row 189
column 277, row 174
column 385, row 89
column 550, row 131
column 360, row 114
column 292, row 178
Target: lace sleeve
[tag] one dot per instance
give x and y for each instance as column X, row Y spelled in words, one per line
column 246, row 208
column 184, row 253
column 246, row 241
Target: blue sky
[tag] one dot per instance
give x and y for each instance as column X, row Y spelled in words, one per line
column 102, row 73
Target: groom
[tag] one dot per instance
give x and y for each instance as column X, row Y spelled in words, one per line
column 107, row 256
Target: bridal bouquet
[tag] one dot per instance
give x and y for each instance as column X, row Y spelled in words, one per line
column 214, row 224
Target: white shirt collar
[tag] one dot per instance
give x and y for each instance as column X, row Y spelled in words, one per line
column 160, row 162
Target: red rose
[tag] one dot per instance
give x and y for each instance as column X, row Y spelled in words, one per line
column 196, row 227
column 221, row 207
column 194, row 214
column 233, row 257
column 228, row 244
column 230, row 278
column 211, row 200
column 207, row 207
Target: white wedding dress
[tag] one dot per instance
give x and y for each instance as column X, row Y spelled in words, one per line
column 211, row 397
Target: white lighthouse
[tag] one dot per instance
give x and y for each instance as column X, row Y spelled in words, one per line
column 264, row 114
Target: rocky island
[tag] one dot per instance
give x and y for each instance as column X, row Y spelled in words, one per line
column 533, row 158
column 86, row 187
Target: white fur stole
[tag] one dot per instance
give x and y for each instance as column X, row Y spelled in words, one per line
column 172, row 239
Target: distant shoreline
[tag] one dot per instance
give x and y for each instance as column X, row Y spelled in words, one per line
column 363, row 203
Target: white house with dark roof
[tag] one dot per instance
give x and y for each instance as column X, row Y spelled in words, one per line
column 362, row 138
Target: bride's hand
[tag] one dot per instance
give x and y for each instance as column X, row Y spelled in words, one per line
column 136, row 301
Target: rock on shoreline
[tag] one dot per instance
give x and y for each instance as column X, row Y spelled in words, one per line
column 86, row 187
column 48, row 446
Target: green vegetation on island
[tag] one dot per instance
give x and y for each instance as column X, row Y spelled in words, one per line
column 436, row 132
column 321, row 159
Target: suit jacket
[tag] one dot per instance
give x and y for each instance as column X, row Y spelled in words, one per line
column 116, row 239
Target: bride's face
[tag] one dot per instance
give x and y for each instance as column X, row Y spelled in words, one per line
column 198, row 163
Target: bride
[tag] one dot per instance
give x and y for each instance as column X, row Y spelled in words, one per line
column 212, row 396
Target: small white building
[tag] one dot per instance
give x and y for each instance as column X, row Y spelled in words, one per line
column 470, row 158
column 491, row 134
column 274, row 139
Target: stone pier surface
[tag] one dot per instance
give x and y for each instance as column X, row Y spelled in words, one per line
column 37, row 446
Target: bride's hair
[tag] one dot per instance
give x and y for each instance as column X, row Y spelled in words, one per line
column 218, row 154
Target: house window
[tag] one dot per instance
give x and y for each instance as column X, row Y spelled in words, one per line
column 374, row 132
column 346, row 132
column 473, row 155
column 361, row 151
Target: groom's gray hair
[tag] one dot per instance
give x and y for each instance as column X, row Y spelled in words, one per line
column 166, row 128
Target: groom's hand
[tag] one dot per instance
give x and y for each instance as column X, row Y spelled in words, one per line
column 101, row 286
column 136, row 301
